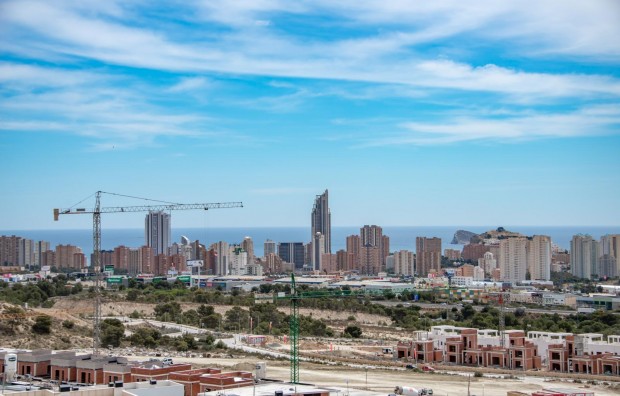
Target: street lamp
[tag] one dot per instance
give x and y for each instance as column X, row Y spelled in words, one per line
column 366, row 368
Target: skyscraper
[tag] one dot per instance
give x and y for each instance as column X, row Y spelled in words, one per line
column 157, row 231
column 322, row 221
column 371, row 239
column 428, row 255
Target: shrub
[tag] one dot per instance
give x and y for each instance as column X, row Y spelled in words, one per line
column 68, row 324
column 42, row 325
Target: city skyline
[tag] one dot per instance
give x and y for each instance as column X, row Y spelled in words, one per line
column 410, row 114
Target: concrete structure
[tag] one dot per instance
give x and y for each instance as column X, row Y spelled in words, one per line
column 318, row 250
column 467, row 346
column 539, row 257
column 474, row 251
column 609, row 259
column 69, row 256
column 512, row 259
column 404, row 263
column 452, row 254
column 158, row 231
column 269, row 247
column 292, row 252
column 280, row 389
column 238, row 261
column 321, row 221
column 154, row 388
column 428, row 255
column 488, row 263
column 248, row 246
column 354, row 247
column 374, row 248
column 583, row 256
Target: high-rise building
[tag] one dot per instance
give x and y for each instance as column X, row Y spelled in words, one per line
column 69, row 256
column 487, row 263
column 269, row 247
column 248, row 246
column 134, row 263
column 354, row 247
column 428, row 255
column 403, row 263
column 370, row 260
column 157, row 231
column 322, row 221
column 222, row 257
column 318, row 250
column 238, row 261
column 292, row 252
column 583, row 256
column 513, row 259
column 40, row 247
column 539, row 257
column 26, row 252
column 371, row 237
column 609, row 255
column 120, row 258
column 9, row 250
column 147, row 255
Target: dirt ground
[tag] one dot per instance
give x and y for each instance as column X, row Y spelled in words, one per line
column 382, row 382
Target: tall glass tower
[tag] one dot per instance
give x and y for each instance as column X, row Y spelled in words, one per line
column 322, row 221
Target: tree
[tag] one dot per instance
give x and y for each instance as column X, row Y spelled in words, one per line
column 112, row 332
column 353, row 331
column 42, row 325
column 168, row 312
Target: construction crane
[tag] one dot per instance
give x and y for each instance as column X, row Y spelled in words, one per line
column 97, row 211
column 501, row 298
column 295, row 297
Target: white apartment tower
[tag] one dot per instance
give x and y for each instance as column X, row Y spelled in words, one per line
column 583, row 256
column 513, row 259
column 539, row 257
column 487, row 263
column 222, row 253
column 157, row 231
column 238, row 261
column 403, row 263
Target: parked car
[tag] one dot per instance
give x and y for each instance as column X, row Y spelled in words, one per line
column 167, row 361
column 427, row 368
column 411, row 366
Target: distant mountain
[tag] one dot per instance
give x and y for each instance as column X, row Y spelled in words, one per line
column 462, row 237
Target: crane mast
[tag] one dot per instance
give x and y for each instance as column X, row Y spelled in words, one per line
column 96, row 264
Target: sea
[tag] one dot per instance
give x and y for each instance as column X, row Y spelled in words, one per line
column 401, row 237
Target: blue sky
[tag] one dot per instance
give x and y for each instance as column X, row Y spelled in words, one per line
column 410, row 113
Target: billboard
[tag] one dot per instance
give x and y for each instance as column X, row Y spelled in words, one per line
column 195, row 263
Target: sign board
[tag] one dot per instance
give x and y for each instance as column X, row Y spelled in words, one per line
column 184, row 278
column 114, row 279
column 109, row 268
column 195, row 263
column 263, row 298
column 46, row 268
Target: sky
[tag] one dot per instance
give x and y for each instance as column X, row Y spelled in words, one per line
column 409, row 113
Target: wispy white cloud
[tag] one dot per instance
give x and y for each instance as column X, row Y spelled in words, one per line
column 382, row 58
column 190, row 84
column 590, row 121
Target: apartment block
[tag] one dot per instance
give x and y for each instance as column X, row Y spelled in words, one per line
column 428, row 255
